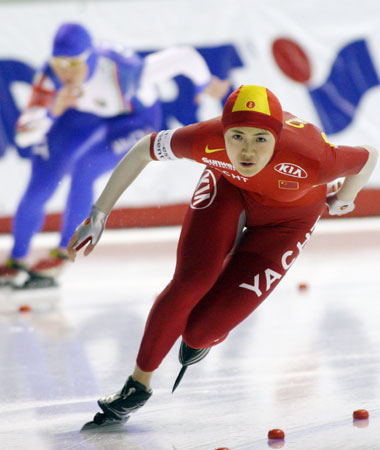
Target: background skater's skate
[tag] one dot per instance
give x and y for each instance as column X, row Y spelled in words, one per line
column 44, row 273
column 117, row 407
column 35, row 281
column 18, row 276
column 53, row 265
column 32, row 280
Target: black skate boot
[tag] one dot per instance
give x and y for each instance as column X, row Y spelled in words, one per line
column 188, row 356
column 117, row 407
column 18, row 276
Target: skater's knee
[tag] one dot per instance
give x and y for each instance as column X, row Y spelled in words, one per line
column 197, row 336
column 38, row 195
column 201, row 340
column 201, row 332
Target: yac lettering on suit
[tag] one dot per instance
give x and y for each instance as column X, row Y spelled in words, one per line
column 270, row 274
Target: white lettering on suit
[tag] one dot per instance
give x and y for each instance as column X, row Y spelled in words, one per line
column 271, row 275
column 235, row 177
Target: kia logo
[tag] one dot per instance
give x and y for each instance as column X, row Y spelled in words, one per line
column 292, row 170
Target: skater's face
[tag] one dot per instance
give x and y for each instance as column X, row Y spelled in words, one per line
column 249, row 149
column 70, row 70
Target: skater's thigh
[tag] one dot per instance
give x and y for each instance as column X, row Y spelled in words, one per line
column 95, row 163
column 212, row 225
column 247, row 280
column 44, row 179
column 73, row 135
column 124, row 131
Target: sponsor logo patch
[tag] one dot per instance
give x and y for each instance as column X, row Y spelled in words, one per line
column 213, row 150
column 205, row 191
column 219, row 164
column 292, row 170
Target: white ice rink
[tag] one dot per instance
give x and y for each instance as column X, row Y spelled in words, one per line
column 303, row 362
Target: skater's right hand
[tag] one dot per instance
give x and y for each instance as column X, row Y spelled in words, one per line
column 338, row 207
column 88, row 232
column 67, row 97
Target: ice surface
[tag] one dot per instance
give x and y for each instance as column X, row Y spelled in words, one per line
column 303, row 362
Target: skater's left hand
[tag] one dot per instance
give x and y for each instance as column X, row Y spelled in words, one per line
column 89, row 232
column 338, row 207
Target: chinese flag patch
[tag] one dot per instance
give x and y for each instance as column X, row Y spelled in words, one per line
column 292, row 185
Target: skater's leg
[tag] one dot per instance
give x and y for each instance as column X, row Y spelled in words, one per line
column 30, row 215
column 121, row 134
column 64, row 143
column 252, row 273
column 142, row 377
column 202, row 250
column 51, row 160
column 78, row 207
column 80, row 198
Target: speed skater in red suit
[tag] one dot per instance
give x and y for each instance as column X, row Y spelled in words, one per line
column 253, row 210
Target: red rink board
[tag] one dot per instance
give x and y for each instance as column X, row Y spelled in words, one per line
column 367, row 204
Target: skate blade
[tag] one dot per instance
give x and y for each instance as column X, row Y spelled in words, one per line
column 179, row 378
column 106, row 426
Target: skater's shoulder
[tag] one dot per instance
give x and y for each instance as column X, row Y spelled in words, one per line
column 302, row 137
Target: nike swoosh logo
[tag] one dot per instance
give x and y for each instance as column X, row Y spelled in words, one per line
column 212, row 150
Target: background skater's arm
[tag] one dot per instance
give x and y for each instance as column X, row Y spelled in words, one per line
column 126, row 171
column 34, row 122
column 342, row 202
column 46, row 104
